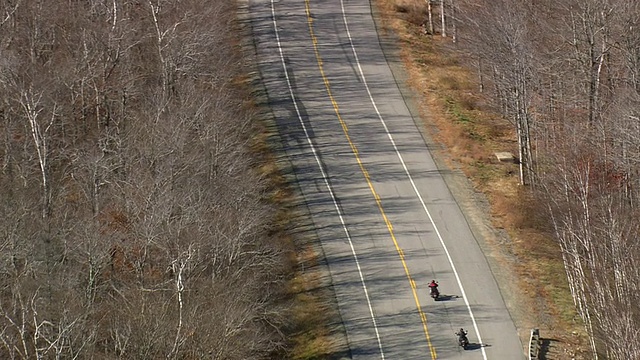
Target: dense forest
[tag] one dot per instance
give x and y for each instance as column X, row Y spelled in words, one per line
column 566, row 74
column 134, row 224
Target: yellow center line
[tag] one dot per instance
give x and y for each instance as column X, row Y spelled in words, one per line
column 423, row 316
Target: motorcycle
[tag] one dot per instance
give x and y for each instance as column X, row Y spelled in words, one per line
column 435, row 294
column 462, row 339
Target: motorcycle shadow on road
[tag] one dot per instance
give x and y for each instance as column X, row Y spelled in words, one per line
column 476, row 346
column 444, row 297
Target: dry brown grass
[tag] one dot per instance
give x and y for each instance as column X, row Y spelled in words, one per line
column 456, row 116
column 312, row 337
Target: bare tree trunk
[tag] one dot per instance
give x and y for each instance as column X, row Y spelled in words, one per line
column 442, row 18
column 39, row 133
column 454, row 20
column 480, row 75
column 430, row 16
column 178, row 268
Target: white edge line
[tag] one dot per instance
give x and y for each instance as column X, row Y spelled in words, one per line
column 415, row 189
column 325, row 178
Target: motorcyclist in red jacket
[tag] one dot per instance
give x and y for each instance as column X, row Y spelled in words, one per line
column 433, row 286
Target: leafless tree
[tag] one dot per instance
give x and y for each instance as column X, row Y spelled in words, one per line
column 565, row 73
column 135, row 223
column 499, row 35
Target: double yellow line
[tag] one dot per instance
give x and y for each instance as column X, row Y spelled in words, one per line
column 354, row 149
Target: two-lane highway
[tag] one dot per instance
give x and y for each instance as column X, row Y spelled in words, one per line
column 386, row 219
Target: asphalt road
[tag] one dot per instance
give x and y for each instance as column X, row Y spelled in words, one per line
column 386, row 219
